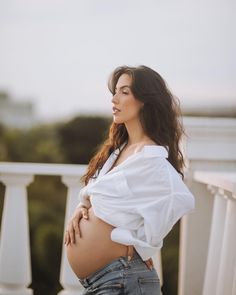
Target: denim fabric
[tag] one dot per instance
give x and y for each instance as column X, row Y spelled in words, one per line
column 121, row 277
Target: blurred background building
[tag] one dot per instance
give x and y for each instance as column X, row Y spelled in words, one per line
column 18, row 114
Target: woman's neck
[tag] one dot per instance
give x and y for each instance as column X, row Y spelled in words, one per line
column 136, row 135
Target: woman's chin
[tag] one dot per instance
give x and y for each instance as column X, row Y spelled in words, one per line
column 117, row 120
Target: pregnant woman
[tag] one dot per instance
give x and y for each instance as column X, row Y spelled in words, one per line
column 133, row 190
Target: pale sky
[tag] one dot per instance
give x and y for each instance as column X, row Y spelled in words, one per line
column 61, row 53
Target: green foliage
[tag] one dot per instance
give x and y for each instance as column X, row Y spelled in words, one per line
column 3, row 148
column 80, row 137
column 47, row 197
column 170, row 256
column 3, row 156
column 39, row 145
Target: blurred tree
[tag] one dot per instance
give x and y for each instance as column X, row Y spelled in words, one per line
column 3, row 157
column 46, row 203
column 3, row 148
column 80, row 137
column 38, row 144
column 47, row 197
column 170, row 256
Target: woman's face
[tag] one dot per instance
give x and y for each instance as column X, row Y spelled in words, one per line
column 125, row 106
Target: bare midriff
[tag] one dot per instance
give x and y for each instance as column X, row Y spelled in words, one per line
column 94, row 249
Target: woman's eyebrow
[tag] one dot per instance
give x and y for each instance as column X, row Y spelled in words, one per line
column 123, row 87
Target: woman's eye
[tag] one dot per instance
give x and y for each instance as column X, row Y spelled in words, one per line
column 124, row 92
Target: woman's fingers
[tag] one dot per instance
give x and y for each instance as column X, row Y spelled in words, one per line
column 71, row 234
column 149, row 263
column 73, row 229
column 75, row 223
column 85, row 213
column 67, row 238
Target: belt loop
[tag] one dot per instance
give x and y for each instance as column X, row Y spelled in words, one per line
column 124, row 262
column 84, row 282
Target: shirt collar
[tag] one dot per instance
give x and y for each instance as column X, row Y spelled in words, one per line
column 148, row 150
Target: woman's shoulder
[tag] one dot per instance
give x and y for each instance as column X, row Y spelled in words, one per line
column 155, row 151
column 148, row 165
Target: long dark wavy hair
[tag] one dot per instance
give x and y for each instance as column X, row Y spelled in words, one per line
column 160, row 118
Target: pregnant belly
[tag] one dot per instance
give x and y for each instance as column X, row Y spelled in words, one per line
column 94, row 249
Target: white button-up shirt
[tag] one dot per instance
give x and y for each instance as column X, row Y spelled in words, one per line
column 143, row 197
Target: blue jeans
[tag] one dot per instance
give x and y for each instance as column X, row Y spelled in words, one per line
column 121, row 277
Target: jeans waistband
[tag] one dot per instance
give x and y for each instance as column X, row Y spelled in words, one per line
column 119, row 263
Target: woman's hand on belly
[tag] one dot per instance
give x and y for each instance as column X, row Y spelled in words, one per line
column 73, row 225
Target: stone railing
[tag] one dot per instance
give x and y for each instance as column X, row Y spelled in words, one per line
column 210, row 146
column 220, row 273
column 15, row 264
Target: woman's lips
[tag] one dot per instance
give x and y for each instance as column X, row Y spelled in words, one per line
column 115, row 110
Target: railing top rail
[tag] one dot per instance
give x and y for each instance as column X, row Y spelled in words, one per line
column 200, row 121
column 224, row 180
column 41, row 168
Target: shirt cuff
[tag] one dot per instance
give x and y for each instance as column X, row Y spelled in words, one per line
column 145, row 253
column 84, row 198
column 81, row 204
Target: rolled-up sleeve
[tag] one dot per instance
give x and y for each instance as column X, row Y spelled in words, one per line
column 83, row 198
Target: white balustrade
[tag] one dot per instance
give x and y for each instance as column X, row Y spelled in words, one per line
column 158, row 265
column 221, row 259
column 15, row 265
column 234, row 281
column 225, row 280
column 210, row 146
column 215, row 243
column 15, row 270
column 68, row 279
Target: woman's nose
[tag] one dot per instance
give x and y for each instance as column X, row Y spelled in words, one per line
column 114, row 98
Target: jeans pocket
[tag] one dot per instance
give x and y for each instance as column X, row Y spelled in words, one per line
column 149, row 285
column 106, row 289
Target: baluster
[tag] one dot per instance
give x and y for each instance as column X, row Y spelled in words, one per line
column 15, row 266
column 158, row 265
column 68, row 279
column 234, row 281
column 216, row 240
column 225, row 280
